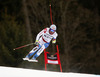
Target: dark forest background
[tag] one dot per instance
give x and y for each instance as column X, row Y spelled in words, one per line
column 78, row 28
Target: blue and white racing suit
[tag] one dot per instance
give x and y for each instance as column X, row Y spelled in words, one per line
column 44, row 38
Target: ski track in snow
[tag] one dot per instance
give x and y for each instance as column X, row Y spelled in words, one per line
column 20, row 72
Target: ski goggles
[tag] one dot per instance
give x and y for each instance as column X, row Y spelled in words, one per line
column 52, row 30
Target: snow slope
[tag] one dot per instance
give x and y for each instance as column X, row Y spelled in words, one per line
column 19, row 72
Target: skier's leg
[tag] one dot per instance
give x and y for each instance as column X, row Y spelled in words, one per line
column 33, row 51
column 40, row 50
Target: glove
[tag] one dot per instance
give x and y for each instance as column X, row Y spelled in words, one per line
column 37, row 42
column 54, row 41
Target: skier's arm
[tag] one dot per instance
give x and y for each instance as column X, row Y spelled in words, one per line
column 39, row 35
column 54, row 39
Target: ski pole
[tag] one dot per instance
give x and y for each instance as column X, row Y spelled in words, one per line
column 24, row 46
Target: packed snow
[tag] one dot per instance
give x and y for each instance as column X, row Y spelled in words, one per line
column 20, row 72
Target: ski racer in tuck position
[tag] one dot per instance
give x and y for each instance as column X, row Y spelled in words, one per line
column 42, row 41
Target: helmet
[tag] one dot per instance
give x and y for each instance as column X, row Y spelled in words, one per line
column 53, row 27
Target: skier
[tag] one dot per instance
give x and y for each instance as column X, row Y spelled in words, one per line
column 42, row 41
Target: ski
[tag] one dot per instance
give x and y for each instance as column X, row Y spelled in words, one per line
column 32, row 60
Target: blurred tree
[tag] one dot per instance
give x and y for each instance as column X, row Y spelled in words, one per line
column 11, row 34
column 27, row 21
